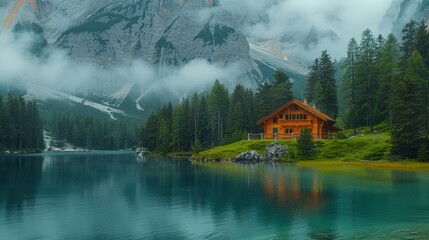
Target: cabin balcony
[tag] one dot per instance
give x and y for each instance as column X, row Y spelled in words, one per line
column 304, row 123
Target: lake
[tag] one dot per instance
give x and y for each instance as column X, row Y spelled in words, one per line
column 117, row 195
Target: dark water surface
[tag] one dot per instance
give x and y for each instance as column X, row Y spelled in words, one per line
column 119, row 196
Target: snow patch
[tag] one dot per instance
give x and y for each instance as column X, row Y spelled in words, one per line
column 118, row 97
column 52, row 147
column 138, row 106
column 40, row 93
column 264, row 54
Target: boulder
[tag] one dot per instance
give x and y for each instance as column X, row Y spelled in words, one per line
column 275, row 151
column 249, row 156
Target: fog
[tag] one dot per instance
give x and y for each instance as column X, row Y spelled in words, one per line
column 284, row 23
column 291, row 20
column 56, row 70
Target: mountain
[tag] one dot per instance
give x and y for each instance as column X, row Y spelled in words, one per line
column 402, row 11
column 162, row 32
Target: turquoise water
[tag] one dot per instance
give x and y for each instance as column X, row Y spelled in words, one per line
column 120, row 196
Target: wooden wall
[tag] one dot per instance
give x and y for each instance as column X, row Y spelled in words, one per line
column 311, row 121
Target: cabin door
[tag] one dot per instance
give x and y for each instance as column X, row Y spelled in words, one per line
column 275, row 133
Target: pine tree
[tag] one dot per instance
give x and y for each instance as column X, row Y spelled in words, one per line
column 409, row 33
column 329, row 103
column 270, row 97
column 417, row 68
column 249, row 111
column 151, row 132
column 388, row 68
column 406, row 110
column 349, row 85
column 305, row 143
column 423, row 155
column 422, row 42
column 194, row 117
column 203, row 124
column 313, row 78
column 236, row 112
column 367, row 80
column 218, row 107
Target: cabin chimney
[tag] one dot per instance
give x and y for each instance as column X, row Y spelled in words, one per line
column 314, row 106
column 305, row 101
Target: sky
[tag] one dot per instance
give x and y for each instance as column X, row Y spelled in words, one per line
column 346, row 18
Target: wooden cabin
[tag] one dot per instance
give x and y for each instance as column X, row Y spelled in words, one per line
column 288, row 121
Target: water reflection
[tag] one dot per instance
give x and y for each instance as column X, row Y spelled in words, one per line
column 124, row 196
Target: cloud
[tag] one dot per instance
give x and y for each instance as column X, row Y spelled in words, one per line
column 56, row 70
column 292, row 20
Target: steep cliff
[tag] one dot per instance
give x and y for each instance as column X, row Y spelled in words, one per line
column 402, row 11
column 162, row 32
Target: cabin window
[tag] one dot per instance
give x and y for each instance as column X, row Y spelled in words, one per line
column 287, row 116
column 293, row 116
column 291, row 131
column 280, row 116
column 286, row 131
column 305, row 116
column 301, row 116
column 275, row 120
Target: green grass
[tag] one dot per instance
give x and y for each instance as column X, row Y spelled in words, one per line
column 367, row 147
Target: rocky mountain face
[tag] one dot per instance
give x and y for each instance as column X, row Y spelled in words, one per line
column 402, row 11
column 162, row 32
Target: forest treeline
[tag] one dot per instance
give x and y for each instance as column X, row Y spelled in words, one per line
column 214, row 118
column 387, row 80
column 20, row 124
column 93, row 132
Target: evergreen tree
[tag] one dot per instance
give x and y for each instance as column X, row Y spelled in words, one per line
column 20, row 124
column 367, row 80
column 249, row 111
column 329, row 103
column 270, row 97
column 322, row 85
column 203, row 124
column 423, row 155
column 388, row 68
column 409, row 33
column 313, row 78
column 406, row 110
column 236, row 112
column 349, row 85
column 194, row 118
column 422, row 42
column 305, row 143
column 417, row 68
column 178, row 127
column 218, row 107
column 151, row 132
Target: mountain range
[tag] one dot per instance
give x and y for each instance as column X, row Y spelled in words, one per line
column 164, row 34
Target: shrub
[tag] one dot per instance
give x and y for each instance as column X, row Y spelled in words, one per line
column 423, row 155
column 305, row 143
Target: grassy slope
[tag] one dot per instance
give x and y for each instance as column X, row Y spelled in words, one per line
column 368, row 147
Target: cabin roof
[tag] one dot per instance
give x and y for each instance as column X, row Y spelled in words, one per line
column 306, row 107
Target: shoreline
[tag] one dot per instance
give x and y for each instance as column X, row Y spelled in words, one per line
column 334, row 164
column 376, row 165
